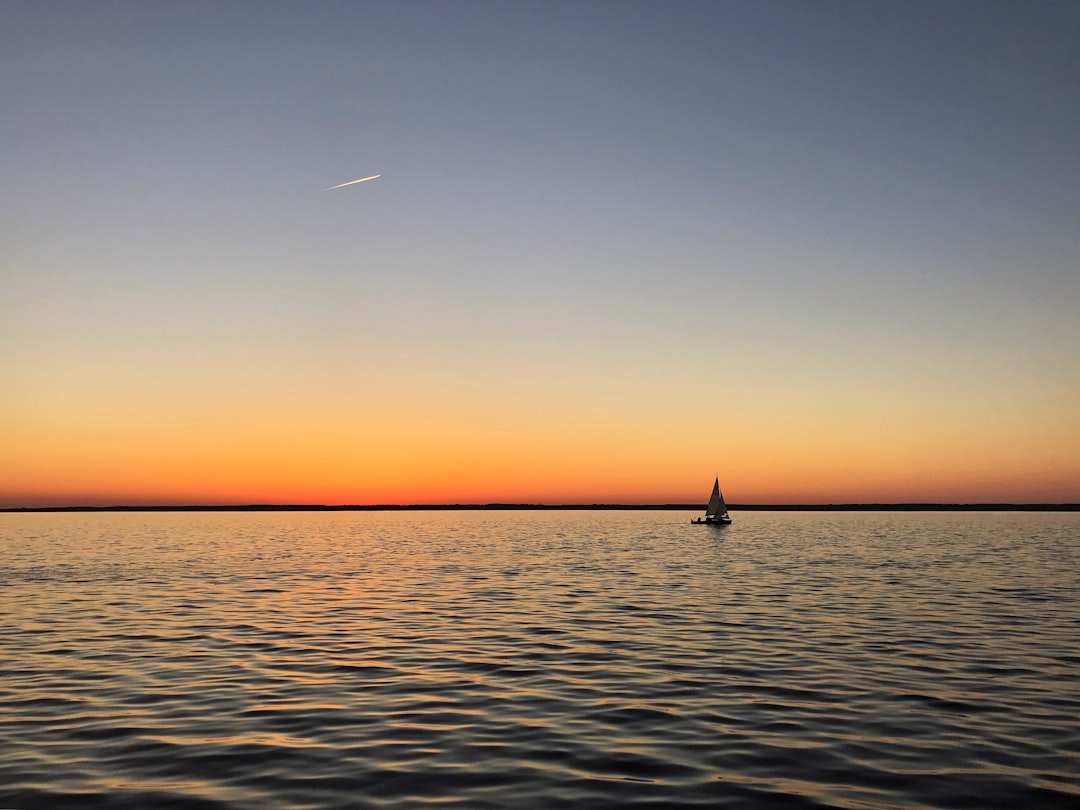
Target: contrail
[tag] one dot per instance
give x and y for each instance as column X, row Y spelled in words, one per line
column 361, row 180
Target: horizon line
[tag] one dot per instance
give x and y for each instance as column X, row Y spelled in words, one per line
column 912, row 506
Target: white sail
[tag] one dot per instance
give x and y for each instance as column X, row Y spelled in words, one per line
column 716, row 501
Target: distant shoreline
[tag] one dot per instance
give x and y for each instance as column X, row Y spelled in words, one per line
column 495, row 507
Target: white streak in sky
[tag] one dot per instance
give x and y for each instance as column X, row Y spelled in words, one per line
column 361, row 180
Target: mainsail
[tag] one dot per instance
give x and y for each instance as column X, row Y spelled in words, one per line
column 716, row 502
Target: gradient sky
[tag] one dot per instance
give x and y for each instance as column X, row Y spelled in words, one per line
column 828, row 250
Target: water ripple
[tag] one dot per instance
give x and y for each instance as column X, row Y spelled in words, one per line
column 535, row 660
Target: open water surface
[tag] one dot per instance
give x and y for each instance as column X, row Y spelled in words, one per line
column 539, row 660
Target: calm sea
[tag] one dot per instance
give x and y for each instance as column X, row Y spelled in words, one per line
column 539, row 660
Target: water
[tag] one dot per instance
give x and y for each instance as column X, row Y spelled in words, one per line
column 539, row 659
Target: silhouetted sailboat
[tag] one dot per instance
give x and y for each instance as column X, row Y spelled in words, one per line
column 716, row 511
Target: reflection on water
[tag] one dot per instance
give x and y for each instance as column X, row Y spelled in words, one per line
column 539, row 659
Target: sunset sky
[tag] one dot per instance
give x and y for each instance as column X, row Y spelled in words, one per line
column 829, row 251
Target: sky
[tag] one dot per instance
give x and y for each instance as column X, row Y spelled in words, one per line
column 827, row 251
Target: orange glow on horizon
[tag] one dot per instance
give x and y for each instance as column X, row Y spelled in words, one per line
column 447, row 472
column 616, row 448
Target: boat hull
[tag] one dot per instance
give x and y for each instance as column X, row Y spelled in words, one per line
column 707, row 521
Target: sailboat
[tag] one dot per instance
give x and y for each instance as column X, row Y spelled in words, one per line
column 716, row 511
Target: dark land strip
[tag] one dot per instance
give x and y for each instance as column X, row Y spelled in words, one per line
column 455, row 507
